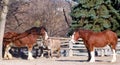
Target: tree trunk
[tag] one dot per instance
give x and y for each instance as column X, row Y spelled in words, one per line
column 2, row 22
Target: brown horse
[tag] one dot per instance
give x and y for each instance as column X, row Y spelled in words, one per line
column 96, row 39
column 25, row 39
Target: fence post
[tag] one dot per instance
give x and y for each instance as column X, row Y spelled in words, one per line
column 70, row 49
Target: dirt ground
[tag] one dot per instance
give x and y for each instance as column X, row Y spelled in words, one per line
column 75, row 60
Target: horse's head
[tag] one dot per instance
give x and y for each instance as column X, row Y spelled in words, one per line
column 75, row 36
column 43, row 33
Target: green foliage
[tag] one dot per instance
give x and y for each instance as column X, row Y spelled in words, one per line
column 96, row 15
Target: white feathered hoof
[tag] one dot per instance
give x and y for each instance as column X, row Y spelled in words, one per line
column 7, row 56
column 30, row 58
column 113, row 60
column 91, row 61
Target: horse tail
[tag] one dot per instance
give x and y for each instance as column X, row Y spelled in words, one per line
column 3, row 47
column 3, row 50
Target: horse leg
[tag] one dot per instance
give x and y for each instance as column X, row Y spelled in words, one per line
column 7, row 54
column 92, row 53
column 42, row 55
column 58, row 53
column 88, row 51
column 92, row 56
column 30, row 57
column 89, row 56
column 49, row 53
column 42, row 52
column 114, row 56
column 114, row 53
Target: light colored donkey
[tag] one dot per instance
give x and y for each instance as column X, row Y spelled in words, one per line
column 53, row 46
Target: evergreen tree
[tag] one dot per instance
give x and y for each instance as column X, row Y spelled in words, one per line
column 116, row 4
column 96, row 15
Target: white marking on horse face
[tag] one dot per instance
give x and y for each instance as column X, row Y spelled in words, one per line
column 92, row 56
column 72, row 38
column 46, row 36
column 114, row 56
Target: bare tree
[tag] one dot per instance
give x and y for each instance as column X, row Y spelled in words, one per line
column 4, row 7
column 49, row 13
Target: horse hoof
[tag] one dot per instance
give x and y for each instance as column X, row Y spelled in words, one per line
column 6, row 58
column 91, row 61
column 113, row 61
column 9, row 56
column 30, row 58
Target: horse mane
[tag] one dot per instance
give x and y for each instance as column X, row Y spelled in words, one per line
column 31, row 30
column 36, row 29
column 79, row 29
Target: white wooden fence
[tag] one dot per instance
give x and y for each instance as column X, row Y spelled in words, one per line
column 70, row 49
